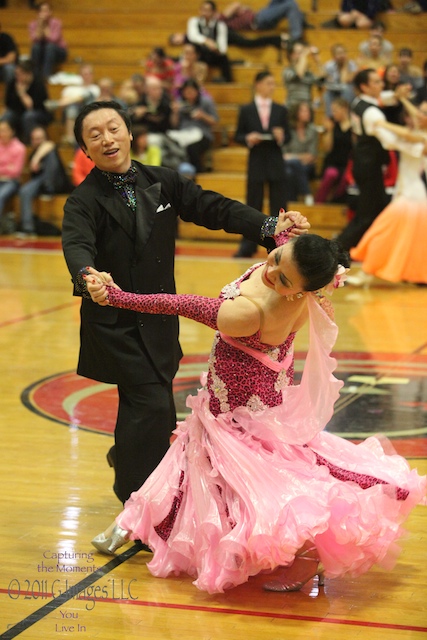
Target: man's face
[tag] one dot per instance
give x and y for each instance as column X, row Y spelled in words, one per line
column 37, row 137
column 265, row 88
column 404, row 60
column 374, row 85
column 206, row 11
column 340, row 55
column 107, row 140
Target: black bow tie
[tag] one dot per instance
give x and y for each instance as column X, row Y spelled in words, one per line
column 121, row 179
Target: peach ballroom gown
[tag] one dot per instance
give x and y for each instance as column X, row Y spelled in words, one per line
column 394, row 246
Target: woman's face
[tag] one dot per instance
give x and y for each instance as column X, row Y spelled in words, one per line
column 280, row 272
column 6, row 133
column 304, row 114
column 338, row 112
column 190, row 94
column 392, row 75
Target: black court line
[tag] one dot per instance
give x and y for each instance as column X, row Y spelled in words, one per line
column 71, row 593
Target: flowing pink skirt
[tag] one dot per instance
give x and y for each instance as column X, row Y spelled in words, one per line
column 224, row 505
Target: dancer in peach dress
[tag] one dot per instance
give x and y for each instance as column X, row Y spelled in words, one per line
column 394, row 246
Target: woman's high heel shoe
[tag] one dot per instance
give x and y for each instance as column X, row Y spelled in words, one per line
column 282, row 587
column 108, row 542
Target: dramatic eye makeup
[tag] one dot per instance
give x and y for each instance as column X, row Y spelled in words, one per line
column 283, row 279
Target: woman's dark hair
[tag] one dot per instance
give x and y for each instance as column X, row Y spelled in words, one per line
column 96, row 106
column 294, row 112
column 194, row 85
column 317, row 259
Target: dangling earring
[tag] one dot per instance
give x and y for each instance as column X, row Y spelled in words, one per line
column 298, row 295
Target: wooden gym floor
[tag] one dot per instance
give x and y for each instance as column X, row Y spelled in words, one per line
column 56, row 486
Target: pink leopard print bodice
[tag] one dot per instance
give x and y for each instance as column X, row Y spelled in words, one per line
column 235, row 378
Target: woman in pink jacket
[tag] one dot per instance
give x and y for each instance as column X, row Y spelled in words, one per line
column 12, row 159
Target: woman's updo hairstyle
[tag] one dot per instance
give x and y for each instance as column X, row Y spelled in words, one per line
column 317, row 259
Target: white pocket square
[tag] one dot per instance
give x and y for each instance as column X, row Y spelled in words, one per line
column 161, row 208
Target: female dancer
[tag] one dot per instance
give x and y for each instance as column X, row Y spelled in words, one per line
column 393, row 248
column 252, row 482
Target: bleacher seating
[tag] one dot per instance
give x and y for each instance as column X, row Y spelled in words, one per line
column 116, row 38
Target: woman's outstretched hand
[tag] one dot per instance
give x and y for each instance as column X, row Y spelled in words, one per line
column 288, row 219
column 96, row 283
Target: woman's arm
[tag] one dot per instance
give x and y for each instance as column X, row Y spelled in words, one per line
column 403, row 132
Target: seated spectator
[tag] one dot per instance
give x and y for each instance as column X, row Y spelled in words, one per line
column 175, row 157
column 153, row 110
column 25, row 101
column 12, row 161
column 386, row 47
column 159, row 65
column 373, row 59
column 47, row 176
column 192, row 120
column 301, row 153
column 238, row 40
column 189, row 66
column 302, row 74
column 138, row 85
column 8, row 56
column 106, row 92
column 211, row 35
column 392, row 111
column 142, row 150
column 339, row 73
column 48, row 48
column 82, row 166
column 239, row 17
column 73, row 99
column 337, row 143
column 127, row 94
column 359, row 14
column 409, row 73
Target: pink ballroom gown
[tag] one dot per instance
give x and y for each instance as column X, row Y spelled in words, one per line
column 252, row 475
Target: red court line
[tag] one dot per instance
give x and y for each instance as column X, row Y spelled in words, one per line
column 30, row 316
column 240, row 612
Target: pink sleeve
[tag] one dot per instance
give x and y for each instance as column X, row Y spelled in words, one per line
column 55, row 27
column 16, row 161
column 283, row 237
column 198, row 308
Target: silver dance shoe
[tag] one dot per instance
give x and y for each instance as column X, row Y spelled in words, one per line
column 109, row 544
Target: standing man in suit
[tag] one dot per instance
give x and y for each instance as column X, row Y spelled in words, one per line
column 263, row 127
column 122, row 219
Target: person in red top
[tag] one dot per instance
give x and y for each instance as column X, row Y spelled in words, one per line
column 82, row 166
column 48, row 47
column 160, row 66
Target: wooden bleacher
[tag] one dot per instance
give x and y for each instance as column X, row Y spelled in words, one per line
column 116, row 39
